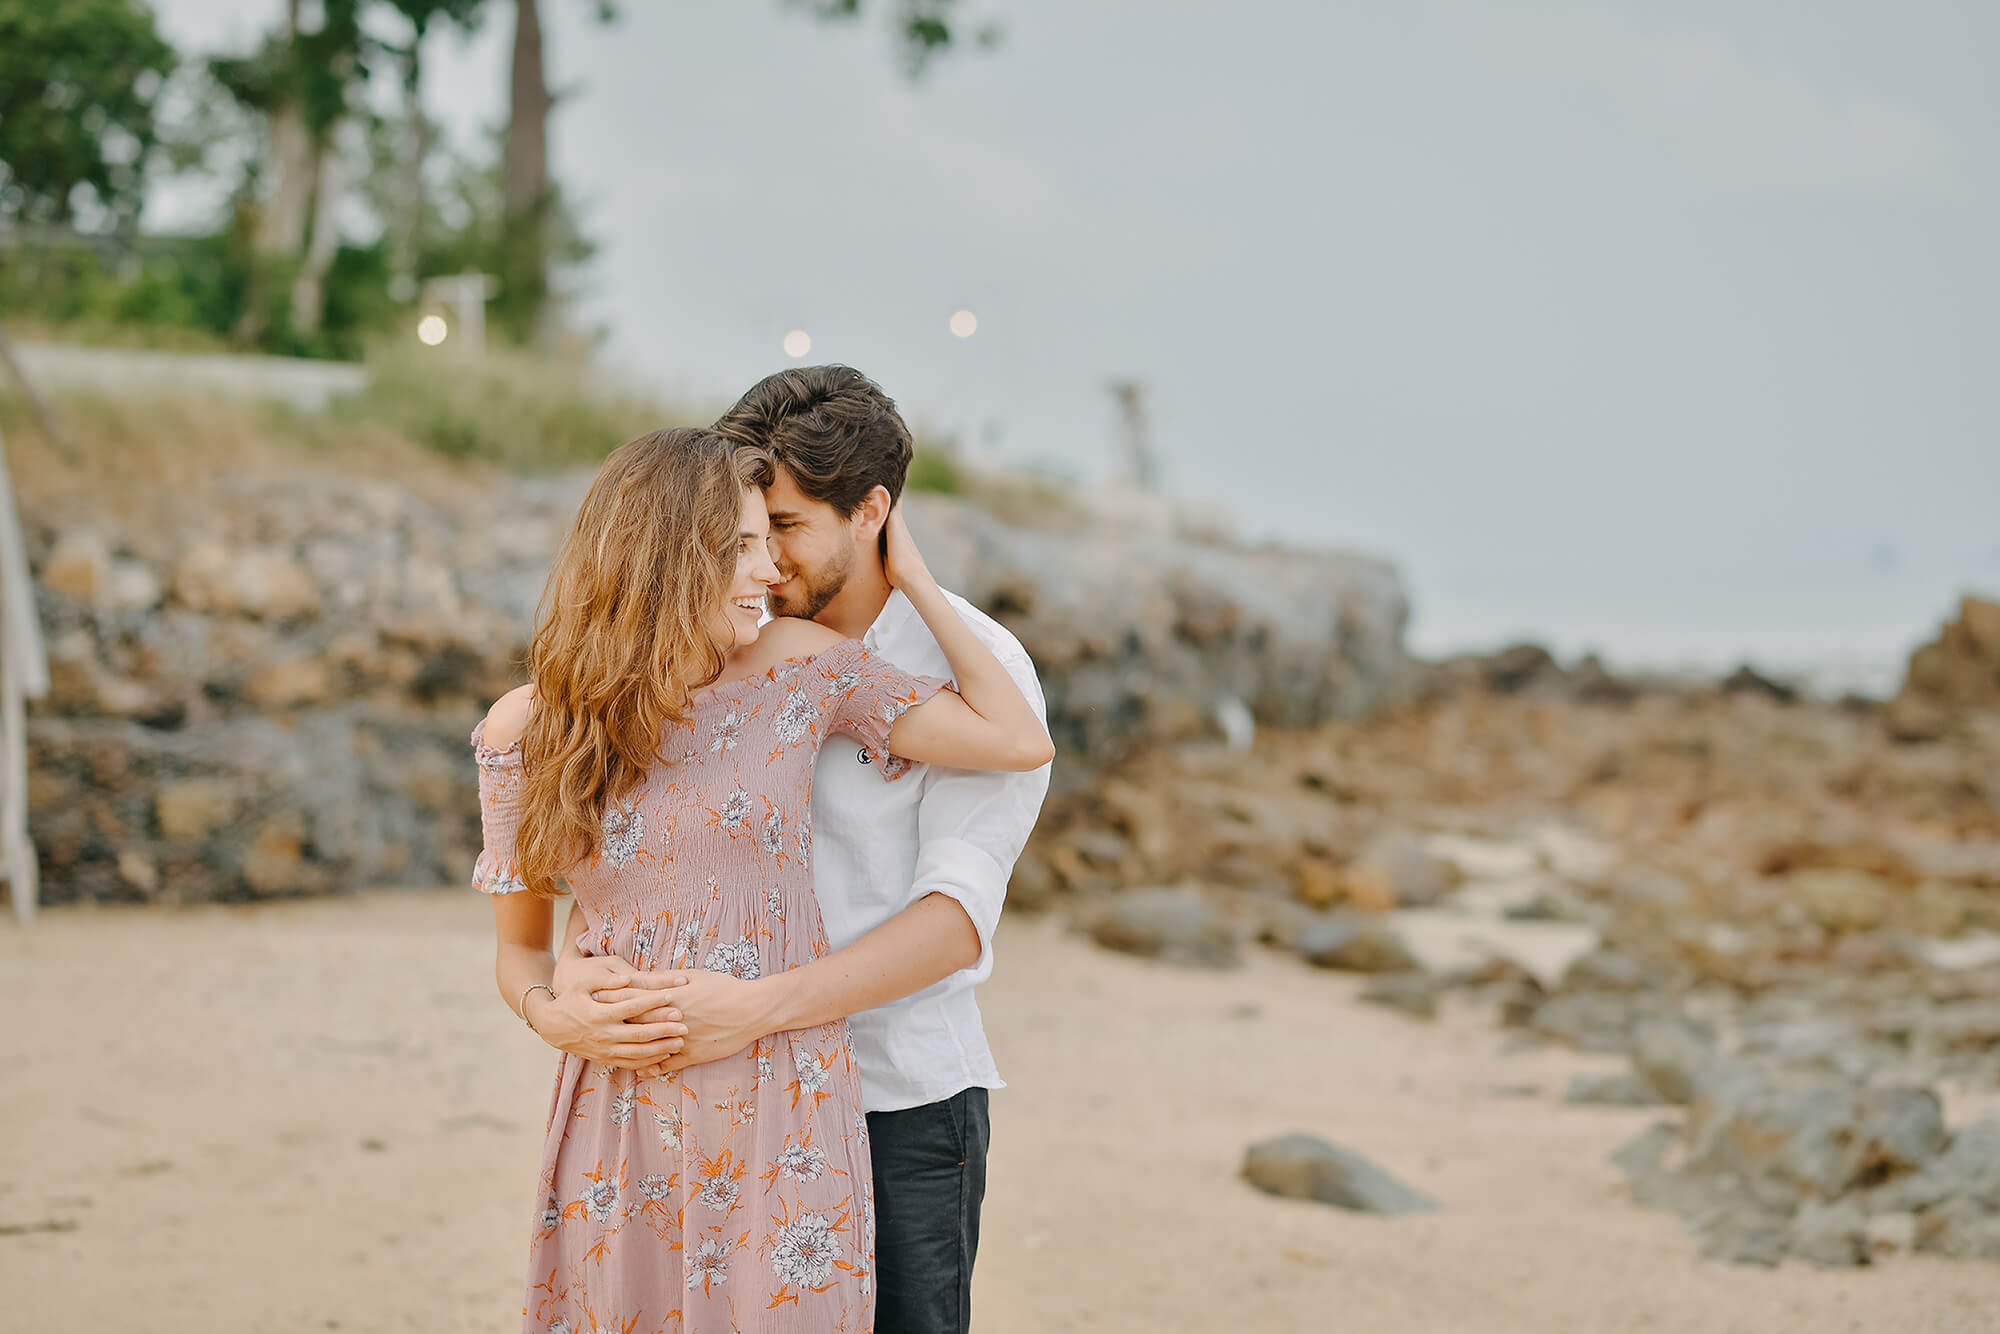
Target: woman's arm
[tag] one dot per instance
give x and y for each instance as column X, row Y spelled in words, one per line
column 988, row 723
column 575, row 1021
column 570, row 1018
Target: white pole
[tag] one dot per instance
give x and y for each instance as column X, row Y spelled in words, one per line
column 24, row 671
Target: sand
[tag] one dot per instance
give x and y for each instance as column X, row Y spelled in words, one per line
column 320, row 1116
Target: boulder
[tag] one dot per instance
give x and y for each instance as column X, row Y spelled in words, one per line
column 1676, row 1062
column 1832, row 1235
column 1305, row 1167
column 1356, row 944
column 1414, row 994
column 1174, row 925
column 193, row 808
column 1959, row 1229
column 1622, row 1089
column 79, row 565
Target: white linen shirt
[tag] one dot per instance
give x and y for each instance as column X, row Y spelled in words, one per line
column 879, row 847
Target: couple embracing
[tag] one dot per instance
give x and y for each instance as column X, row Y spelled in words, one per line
column 787, row 844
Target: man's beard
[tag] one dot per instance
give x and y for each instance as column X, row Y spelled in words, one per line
column 816, row 587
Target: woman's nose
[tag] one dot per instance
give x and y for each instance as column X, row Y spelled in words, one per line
column 766, row 570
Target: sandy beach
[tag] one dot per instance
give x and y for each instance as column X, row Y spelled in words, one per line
column 319, row 1116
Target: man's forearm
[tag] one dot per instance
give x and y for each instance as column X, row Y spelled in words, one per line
column 923, row 944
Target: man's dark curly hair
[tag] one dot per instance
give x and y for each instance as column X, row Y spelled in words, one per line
column 831, row 427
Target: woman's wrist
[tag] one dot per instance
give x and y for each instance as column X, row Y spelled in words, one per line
column 537, row 1002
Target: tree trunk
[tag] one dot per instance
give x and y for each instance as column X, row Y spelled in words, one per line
column 526, row 185
column 309, row 288
column 281, row 224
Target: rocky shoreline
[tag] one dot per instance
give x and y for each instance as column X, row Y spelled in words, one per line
column 264, row 672
column 1785, row 911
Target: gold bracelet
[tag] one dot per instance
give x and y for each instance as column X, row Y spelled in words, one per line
column 524, row 1005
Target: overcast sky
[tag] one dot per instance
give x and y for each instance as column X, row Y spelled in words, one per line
column 1670, row 330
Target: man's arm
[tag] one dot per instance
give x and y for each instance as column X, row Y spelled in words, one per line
column 971, row 827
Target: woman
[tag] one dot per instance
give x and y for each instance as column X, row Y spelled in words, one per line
column 661, row 761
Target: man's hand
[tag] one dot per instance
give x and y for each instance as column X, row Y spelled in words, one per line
column 603, row 1011
column 721, row 1015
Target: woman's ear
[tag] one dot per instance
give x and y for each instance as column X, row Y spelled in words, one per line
column 871, row 514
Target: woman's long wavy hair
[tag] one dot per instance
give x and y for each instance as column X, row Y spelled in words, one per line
column 625, row 633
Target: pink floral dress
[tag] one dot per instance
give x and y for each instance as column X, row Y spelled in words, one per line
column 732, row 1196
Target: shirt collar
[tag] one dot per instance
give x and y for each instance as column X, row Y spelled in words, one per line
column 897, row 610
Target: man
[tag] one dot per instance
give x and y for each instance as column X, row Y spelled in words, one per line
column 910, row 875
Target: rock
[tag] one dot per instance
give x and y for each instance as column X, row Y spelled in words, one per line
column 1606, row 969
column 1318, row 883
column 1100, row 847
column 1972, row 1162
column 1305, row 1167
column 1356, row 944
column 1960, row 1229
column 1960, row 668
column 275, row 861
column 132, row 586
column 1174, row 925
column 1032, row 888
column 79, row 565
column 1412, row 993
column 1587, row 1020
column 1675, row 1062
column 1831, row 1235
column 1915, row 719
column 1518, row 667
column 193, row 808
column 1968, row 1169
column 1649, row 886
column 1646, row 1153
column 1823, row 1139
column 1576, row 857
column 1747, row 680
column 1623, row 1089
column 1892, row 1232
column 1841, row 899
column 139, row 871
column 1413, row 874
column 290, row 683
column 1740, row 1232
column 262, row 582
column 1964, row 1025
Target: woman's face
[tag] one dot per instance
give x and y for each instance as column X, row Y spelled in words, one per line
column 743, row 600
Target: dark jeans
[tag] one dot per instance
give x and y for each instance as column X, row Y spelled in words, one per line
column 930, row 1179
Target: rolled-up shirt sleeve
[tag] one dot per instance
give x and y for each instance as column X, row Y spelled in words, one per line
column 971, row 827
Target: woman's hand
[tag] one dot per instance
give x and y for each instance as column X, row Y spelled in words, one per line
column 903, row 563
column 631, row 1026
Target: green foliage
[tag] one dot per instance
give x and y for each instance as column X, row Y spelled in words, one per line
column 924, row 29
column 522, row 411
column 78, row 80
column 195, row 284
column 935, row 467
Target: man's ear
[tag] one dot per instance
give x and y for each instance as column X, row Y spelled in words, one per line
column 871, row 514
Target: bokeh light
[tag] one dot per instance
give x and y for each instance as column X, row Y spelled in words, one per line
column 431, row 330
column 797, row 343
column 964, row 323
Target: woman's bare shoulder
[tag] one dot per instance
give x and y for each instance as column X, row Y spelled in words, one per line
column 794, row 637
column 508, row 717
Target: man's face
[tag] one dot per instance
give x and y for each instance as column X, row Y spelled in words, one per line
column 813, row 547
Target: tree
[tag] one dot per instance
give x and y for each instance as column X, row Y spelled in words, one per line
column 408, row 210
column 78, row 81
